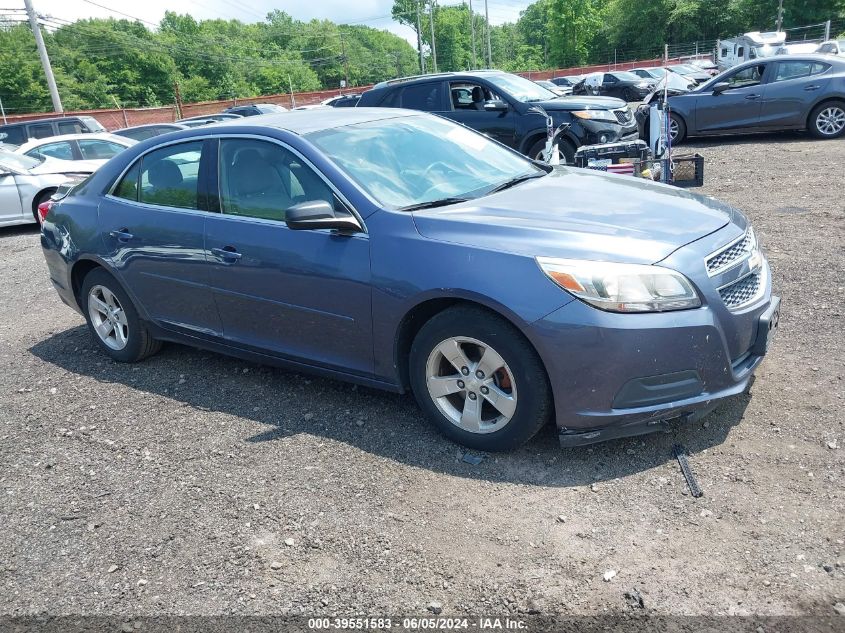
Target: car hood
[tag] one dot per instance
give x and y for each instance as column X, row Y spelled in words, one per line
column 56, row 166
column 581, row 103
column 581, row 214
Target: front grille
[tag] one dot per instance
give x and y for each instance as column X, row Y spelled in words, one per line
column 741, row 291
column 732, row 254
column 624, row 115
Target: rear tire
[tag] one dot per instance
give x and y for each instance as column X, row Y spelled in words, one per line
column 479, row 380
column 41, row 197
column 827, row 120
column 113, row 320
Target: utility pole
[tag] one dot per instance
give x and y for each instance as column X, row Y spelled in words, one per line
column 345, row 59
column 419, row 40
column 292, row 98
column 433, row 44
column 3, row 110
column 827, row 30
column 178, row 95
column 780, row 16
column 489, row 50
column 472, row 33
column 45, row 60
column 398, row 56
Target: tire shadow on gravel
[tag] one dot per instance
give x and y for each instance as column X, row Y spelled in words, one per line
column 284, row 403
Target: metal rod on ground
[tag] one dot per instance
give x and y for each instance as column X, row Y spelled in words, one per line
column 419, row 40
column 472, row 33
column 433, row 44
column 45, row 59
column 681, row 456
column 489, row 49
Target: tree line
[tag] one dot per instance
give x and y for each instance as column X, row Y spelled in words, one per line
column 100, row 63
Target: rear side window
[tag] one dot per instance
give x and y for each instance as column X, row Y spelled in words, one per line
column 97, row 150
column 167, row 177
column 41, row 130
column 13, row 135
column 426, row 97
column 71, row 127
column 61, row 150
column 797, row 69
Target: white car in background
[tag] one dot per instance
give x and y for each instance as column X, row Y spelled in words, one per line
column 91, row 149
column 27, row 182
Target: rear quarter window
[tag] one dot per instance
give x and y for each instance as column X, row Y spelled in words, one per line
column 14, row 135
column 427, row 97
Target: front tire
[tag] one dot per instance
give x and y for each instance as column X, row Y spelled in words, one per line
column 567, row 152
column 827, row 120
column 479, row 380
column 113, row 320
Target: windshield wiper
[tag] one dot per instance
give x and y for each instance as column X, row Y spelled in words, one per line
column 431, row 204
column 515, row 181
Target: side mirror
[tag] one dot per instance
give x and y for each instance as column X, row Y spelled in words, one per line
column 495, row 105
column 720, row 87
column 319, row 214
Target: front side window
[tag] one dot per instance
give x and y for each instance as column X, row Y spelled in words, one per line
column 259, row 179
column 169, row 176
column 62, row 151
column 470, row 96
column 98, row 150
column 750, row 76
column 411, row 160
column 426, row 97
column 70, row 127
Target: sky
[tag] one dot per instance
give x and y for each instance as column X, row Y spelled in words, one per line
column 374, row 13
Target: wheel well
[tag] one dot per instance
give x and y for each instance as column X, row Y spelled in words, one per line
column 821, row 103
column 419, row 316
column 39, row 196
column 530, row 142
column 78, row 273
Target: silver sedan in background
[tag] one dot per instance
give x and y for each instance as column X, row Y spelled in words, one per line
column 27, row 182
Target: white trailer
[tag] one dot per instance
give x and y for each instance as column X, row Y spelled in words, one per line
column 753, row 45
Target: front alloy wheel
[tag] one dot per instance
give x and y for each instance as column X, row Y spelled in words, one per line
column 471, row 384
column 484, row 397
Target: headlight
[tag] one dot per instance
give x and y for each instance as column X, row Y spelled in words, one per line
column 622, row 287
column 595, row 115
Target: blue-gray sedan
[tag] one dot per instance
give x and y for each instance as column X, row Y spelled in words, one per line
column 402, row 251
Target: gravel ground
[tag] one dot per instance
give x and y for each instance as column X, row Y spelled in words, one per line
column 197, row 484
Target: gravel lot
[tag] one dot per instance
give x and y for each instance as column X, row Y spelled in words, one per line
column 197, row 484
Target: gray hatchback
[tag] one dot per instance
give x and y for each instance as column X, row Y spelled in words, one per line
column 794, row 92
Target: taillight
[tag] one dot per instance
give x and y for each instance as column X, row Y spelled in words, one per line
column 43, row 210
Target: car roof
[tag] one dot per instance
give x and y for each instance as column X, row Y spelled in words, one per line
column 305, row 121
column 146, row 125
column 105, row 136
column 51, row 119
column 468, row 74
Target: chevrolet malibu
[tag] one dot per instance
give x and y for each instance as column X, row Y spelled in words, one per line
column 402, row 251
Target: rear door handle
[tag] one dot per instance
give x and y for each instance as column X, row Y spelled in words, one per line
column 121, row 235
column 227, row 254
column 752, row 97
column 813, row 87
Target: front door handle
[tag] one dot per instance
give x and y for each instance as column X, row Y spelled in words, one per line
column 752, row 97
column 121, row 235
column 228, row 254
column 813, row 87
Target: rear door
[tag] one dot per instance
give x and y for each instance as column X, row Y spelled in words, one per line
column 738, row 107
column 793, row 89
column 152, row 225
column 10, row 201
column 465, row 105
column 303, row 295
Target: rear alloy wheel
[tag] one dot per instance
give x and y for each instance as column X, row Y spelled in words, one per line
column 479, row 380
column 113, row 320
column 828, row 120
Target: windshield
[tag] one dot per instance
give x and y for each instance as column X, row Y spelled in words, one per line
column 18, row 162
column 413, row 160
column 520, row 88
column 763, row 51
column 628, row 76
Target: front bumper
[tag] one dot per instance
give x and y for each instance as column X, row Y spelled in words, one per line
column 617, row 375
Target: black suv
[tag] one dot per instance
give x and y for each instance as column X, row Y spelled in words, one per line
column 501, row 105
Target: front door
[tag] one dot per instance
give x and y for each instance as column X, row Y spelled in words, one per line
column 152, row 226
column 10, row 200
column 467, row 101
column 737, row 108
column 301, row 294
